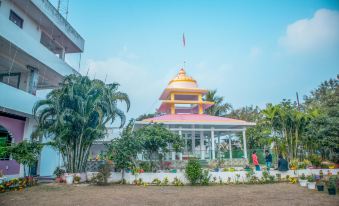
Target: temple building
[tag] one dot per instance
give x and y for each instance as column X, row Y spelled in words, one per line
column 183, row 111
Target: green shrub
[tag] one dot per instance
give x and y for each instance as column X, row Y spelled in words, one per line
column 177, row 182
column 315, row 160
column 205, row 177
column 156, row 181
column 193, row 171
column 146, row 166
column 103, row 173
column 165, row 181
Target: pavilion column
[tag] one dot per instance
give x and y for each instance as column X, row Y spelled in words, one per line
column 180, row 134
column 245, row 144
column 230, row 146
column 193, row 140
column 202, row 145
column 213, row 143
column 173, row 152
column 218, row 148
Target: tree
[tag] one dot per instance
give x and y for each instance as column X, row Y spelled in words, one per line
column 220, row 108
column 145, row 116
column 123, row 151
column 155, row 141
column 26, row 153
column 258, row 136
column 323, row 131
column 76, row 114
column 288, row 125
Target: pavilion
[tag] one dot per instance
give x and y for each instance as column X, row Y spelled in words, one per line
column 182, row 111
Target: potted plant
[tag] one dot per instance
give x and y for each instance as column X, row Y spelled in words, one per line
column 332, row 185
column 293, row 164
column 303, row 180
column 320, row 186
column 77, row 179
column 59, row 173
column 311, row 182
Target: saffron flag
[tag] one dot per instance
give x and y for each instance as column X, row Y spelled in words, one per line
column 183, row 39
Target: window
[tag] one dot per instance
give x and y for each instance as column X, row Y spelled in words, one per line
column 5, row 140
column 16, row 19
column 12, row 79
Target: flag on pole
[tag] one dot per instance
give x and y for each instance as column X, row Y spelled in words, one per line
column 183, row 39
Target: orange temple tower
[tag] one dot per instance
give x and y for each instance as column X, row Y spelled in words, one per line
column 183, row 96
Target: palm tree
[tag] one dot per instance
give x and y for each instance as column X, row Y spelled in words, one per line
column 220, row 108
column 76, row 114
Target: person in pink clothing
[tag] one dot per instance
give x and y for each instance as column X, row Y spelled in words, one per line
column 255, row 161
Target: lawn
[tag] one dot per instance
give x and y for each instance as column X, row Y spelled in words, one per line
column 269, row 194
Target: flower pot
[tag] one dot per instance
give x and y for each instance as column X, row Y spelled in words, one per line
column 58, row 180
column 303, row 183
column 311, row 185
column 331, row 191
column 320, row 187
column 69, row 179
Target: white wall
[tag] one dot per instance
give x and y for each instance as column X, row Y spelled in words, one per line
column 149, row 177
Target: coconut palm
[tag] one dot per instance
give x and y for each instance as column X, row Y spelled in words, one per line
column 220, row 108
column 76, row 114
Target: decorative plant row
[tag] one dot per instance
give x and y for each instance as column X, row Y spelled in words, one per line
column 17, row 184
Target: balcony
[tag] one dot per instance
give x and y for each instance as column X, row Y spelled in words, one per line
column 16, row 100
column 49, row 19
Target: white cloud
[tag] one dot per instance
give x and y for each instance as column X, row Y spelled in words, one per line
column 142, row 85
column 319, row 33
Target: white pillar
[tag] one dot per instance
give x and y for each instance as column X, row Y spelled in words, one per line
column 230, row 146
column 180, row 134
column 245, row 144
column 173, row 155
column 202, row 145
column 193, row 140
column 213, row 143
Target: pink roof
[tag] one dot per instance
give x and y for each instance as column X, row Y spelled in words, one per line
column 193, row 118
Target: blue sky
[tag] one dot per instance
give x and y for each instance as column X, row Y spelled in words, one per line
column 253, row 52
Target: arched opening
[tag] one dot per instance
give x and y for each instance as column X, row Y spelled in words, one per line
column 5, row 140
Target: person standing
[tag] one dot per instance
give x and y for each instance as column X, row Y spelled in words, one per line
column 268, row 160
column 255, row 161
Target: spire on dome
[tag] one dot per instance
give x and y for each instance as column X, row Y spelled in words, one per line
column 182, row 77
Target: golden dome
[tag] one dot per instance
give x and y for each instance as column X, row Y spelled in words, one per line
column 183, row 78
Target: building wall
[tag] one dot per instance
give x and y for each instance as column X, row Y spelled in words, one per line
column 16, row 129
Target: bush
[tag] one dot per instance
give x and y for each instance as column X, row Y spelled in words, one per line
column 177, row 182
column 156, row 181
column 146, row 166
column 193, row 171
column 205, row 177
column 103, row 173
column 165, row 181
column 315, row 160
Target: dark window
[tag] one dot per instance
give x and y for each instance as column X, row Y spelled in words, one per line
column 12, row 79
column 5, row 141
column 16, row 19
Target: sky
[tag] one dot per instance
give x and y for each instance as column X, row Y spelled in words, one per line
column 252, row 52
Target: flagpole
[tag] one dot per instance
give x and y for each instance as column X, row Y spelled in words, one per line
column 184, row 45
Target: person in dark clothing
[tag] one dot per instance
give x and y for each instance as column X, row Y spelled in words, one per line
column 282, row 164
column 268, row 160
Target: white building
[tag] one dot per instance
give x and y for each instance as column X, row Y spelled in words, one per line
column 34, row 40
